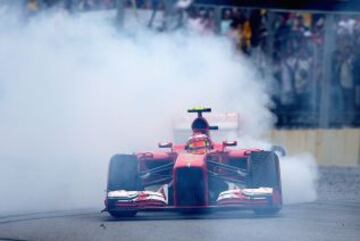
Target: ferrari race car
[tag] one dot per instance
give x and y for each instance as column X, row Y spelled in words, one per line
column 199, row 175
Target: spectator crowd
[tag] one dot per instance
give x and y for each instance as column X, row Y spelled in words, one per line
column 287, row 46
column 293, row 45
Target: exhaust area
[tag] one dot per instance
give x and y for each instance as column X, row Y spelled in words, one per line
column 74, row 91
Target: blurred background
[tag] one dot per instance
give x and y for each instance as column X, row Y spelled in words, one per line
column 311, row 53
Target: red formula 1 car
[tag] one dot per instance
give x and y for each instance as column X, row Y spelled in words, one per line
column 196, row 176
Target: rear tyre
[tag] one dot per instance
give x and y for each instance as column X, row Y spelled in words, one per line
column 123, row 175
column 264, row 171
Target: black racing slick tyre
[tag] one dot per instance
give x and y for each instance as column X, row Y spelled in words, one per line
column 264, row 171
column 123, row 173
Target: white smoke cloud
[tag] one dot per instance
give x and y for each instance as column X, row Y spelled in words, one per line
column 74, row 91
column 299, row 176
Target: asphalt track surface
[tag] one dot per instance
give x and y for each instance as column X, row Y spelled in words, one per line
column 329, row 218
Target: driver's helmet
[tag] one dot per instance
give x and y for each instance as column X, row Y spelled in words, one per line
column 198, row 143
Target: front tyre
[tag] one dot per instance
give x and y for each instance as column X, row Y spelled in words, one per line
column 123, row 175
column 264, row 171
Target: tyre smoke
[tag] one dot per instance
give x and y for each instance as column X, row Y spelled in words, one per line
column 299, row 176
column 74, row 91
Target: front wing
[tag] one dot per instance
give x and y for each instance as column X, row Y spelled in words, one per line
column 255, row 198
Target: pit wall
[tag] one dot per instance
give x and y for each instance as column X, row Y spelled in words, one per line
column 340, row 147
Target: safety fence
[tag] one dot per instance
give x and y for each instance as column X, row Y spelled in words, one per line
column 311, row 58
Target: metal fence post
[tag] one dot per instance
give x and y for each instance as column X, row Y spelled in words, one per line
column 270, row 37
column 168, row 11
column 217, row 16
column 120, row 13
column 325, row 85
